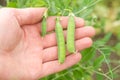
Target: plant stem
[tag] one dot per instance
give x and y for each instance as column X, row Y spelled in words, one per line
column 86, row 7
column 106, row 62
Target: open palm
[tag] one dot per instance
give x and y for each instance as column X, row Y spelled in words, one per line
column 24, row 54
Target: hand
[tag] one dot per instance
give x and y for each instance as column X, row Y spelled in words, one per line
column 24, row 54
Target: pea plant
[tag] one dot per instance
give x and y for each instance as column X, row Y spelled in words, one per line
column 93, row 58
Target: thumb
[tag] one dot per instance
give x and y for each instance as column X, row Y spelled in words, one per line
column 29, row 15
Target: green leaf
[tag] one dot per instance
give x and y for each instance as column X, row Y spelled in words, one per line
column 87, row 55
column 98, row 62
column 99, row 77
column 77, row 74
column 12, row 4
column 88, row 77
column 67, row 76
column 107, row 37
column 38, row 3
column 21, row 3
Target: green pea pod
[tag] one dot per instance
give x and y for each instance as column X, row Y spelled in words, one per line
column 44, row 26
column 60, row 42
column 71, row 34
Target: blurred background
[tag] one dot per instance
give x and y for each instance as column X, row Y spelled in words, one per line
column 102, row 60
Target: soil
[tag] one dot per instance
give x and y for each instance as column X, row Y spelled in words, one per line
column 113, row 57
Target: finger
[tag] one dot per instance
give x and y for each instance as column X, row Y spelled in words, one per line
column 51, row 22
column 29, row 15
column 51, row 53
column 54, row 66
column 83, row 43
column 50, row 39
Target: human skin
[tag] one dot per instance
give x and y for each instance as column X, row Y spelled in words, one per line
column 24, row 54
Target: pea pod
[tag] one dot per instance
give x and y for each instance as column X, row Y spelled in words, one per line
column 71, row 34
column 60, row 41
column 44, row 24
